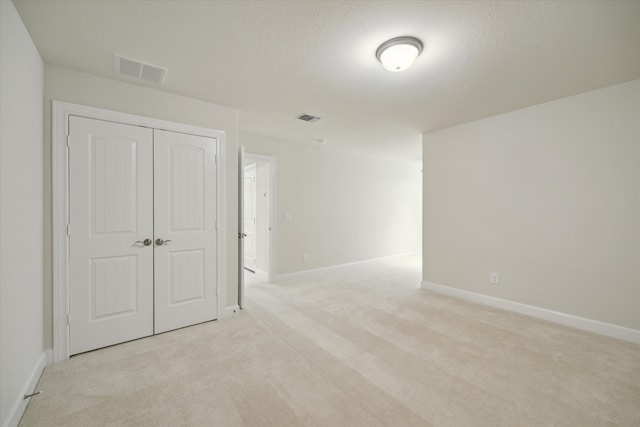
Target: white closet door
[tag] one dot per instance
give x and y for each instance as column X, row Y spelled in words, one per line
column 111, row 208
column 185, row 230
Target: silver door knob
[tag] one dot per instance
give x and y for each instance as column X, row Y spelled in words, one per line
column 161, row 242
column 145, row 242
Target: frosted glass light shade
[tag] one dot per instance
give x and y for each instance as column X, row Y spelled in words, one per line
column 398, row 54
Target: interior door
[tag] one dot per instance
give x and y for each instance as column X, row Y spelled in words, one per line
column 249, row 217
column 241, row 234
column 185, row 230
column 110, row 232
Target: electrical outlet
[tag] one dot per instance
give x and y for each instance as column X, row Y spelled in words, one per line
column 495, row 278
column 305, row 258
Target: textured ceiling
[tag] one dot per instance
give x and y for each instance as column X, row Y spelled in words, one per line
column 275, row 59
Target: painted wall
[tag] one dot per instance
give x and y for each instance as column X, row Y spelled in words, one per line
column 549, row 198
column 21, row 182
column 344, row 207
column 62, row 84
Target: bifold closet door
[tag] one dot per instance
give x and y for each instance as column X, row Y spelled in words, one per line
column 185, row 203
column 110, row 217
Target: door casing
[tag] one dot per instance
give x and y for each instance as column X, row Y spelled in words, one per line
column 60, row 200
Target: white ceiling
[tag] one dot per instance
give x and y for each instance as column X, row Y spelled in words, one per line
column 275, row 59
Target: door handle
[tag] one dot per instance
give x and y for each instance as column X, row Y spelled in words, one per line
column 161, row 242
column 242, row 235
column 146, row 242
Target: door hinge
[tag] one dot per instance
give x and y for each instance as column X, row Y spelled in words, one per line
column 69, row 230
column 215, row 159
column 68, row 318
column 68, row 140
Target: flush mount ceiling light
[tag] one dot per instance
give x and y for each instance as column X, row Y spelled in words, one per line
column 398, row 54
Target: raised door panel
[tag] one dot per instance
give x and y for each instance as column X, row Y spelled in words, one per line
column 111, row 208
column 187, row 185
column 113, row 286
column 185, row 219
column 113, row 185
column 186, row 276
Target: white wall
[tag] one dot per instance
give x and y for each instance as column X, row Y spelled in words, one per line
column 63, row 84
column 345, row 207
column 21, row 242
column 549, row 198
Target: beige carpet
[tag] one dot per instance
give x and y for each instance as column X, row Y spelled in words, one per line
column 361, row 346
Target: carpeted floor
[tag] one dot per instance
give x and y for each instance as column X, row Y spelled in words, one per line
column 359, row 346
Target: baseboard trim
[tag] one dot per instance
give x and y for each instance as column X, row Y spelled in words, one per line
column 20, row 405
column 315, row 271
column 231, row 311
column 602, row 328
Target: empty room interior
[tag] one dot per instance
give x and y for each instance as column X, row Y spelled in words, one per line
column 319, row 213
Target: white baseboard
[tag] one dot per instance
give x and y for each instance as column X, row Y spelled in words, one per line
column 231, row 311
column 18, row 408
column 315, row 271
column 602, row 328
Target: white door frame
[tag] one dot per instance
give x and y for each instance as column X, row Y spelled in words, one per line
column 272, row 162
column 60, row 113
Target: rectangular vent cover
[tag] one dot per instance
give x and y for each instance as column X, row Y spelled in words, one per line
column 308, row 118
column 139, row 70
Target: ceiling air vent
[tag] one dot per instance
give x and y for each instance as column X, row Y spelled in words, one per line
column 308, row 118
column 139, row 70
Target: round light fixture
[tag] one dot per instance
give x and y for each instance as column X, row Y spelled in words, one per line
column 398, row 54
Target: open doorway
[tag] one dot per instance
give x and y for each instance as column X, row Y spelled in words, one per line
column 257, row 225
